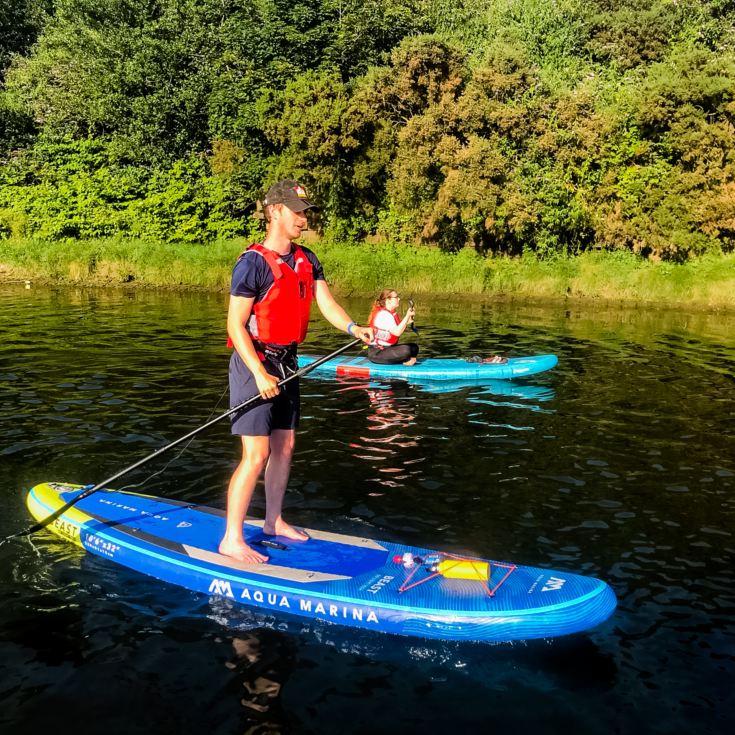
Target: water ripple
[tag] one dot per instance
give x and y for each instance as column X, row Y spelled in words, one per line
column 617, row 464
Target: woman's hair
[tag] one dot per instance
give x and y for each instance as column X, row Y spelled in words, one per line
column 379, row 303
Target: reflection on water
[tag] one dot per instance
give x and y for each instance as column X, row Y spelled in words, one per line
column 391, row 428
column 618, row 463
column 387, row 436
column 263, row 660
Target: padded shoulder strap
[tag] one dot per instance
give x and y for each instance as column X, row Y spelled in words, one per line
column 271, row 258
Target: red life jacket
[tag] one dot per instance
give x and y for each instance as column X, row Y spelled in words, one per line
column 383, row 338
column 282, row 317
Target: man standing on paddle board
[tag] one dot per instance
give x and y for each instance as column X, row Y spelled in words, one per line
column 273, row 285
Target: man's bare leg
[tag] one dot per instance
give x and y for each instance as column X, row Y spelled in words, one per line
column 276, row 479
column 239, row 493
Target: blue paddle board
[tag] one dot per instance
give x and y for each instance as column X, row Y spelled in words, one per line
column 432, row 368
column 376, row 585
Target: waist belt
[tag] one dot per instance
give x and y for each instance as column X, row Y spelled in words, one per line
column 282, row 357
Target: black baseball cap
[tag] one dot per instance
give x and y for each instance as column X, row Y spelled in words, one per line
column 290, row 193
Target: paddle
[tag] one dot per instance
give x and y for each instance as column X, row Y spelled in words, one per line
column 414, row 328
column 94, row 488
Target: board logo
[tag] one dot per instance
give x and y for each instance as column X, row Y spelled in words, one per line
column 221, row 587
column 183, row 524
column 553, row 583
column 66, row 529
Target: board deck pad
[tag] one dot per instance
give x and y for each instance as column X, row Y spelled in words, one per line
column 432, row 368
column 331, row 577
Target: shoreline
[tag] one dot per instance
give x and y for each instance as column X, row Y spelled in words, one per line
column 609, row 279
column 570, row 300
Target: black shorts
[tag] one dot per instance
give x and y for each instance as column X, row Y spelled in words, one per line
column 262, row 417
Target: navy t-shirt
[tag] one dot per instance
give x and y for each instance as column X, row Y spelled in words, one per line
column 252, row 276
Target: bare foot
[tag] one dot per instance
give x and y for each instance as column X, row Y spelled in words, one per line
column 242, row 552
column 281, row 528
column 412, row 361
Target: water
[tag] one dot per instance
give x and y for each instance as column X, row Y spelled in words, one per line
column 618, row 464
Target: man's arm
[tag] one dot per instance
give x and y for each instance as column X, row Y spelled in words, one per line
column 238, row 313
column 336, row 315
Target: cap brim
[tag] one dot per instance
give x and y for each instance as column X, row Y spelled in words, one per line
column 300, row 206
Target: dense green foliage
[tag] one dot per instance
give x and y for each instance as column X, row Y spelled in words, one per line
column 510, row 126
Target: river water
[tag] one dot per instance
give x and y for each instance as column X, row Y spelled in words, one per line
column 619, row 464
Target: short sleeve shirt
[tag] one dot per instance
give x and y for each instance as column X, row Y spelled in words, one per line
column 383, row 321
column 252, row 276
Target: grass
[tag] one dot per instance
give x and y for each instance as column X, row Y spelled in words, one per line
column 363, row 270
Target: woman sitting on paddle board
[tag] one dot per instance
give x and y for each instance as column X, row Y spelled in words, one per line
column 388, row 327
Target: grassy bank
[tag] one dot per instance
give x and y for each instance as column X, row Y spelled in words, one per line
column 365, row 269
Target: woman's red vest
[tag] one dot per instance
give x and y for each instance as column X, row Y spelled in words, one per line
column 282, row 317
column 383, row 338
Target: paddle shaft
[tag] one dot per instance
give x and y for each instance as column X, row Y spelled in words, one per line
column 414, row 328
column 245, row 404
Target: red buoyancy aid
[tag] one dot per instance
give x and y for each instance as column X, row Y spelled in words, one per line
column 282, row 316
column 383, row 338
